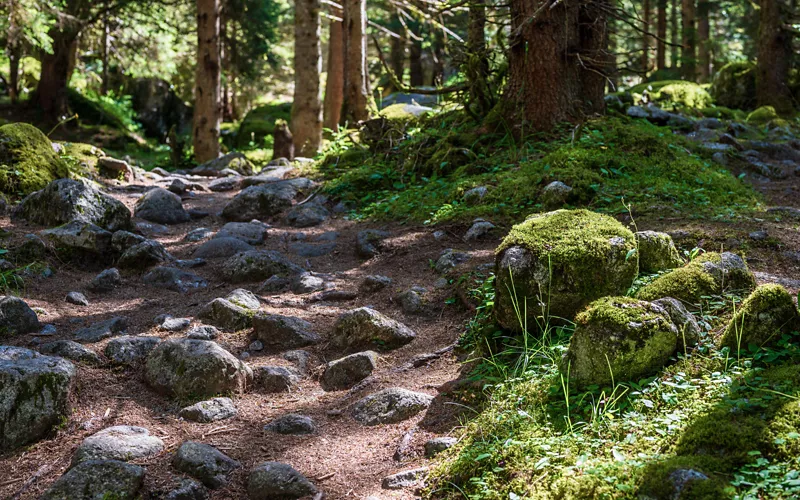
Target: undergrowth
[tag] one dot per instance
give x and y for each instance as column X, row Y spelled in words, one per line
column 424, row 177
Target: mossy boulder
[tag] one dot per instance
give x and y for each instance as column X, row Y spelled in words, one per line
column 558, row 262
column 710, row 274
column 389, row 128
column 762, row 115
column 657, row 252
column 81, row 158
column 674, row 95
column 767, row 313
column 683, row 478
column 618, row 339
column 734, row 85
column 27, row 159
column 260, row 123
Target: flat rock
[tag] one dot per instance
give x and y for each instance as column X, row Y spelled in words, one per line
column 283, row 332
column 364, row 327
column 172, row 278
column 390, row 406
column 71, row 350
column 98, row 480
column 405, row 479
column 291, row 424
column 221, row 248
column 129, row 350
column 306, row 283
column 106, row 281
column 374, row 283
column 252, row 233
column 346, row 372
column 437, row 445
column 102, row 330
column 209, row 411
column 204, row 463
column 203, row 332
column 257, row 265
column 121, row 442
column 274, row 379
column 224, row 184
column 76, row 240
column 307, row 215
column 273, row 480
column 236, row 162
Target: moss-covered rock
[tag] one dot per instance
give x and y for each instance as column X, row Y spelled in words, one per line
column 27, row 159
column 767, row 313
column 556, row 263
column 81, row 158
column 734, row 85
column 619, row 339
column 389, row 127
column 710, row 274
column 674, row 94
column 683, row 478
column 260, row 123
column 762, row 115
column 657, row 252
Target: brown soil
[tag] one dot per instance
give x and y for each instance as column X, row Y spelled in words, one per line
column 344, row 459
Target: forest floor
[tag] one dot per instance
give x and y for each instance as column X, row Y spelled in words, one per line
column 343, row 458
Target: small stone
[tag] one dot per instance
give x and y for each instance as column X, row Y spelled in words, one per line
column 224, row 184
column 221, row 247
column 106, row 281
column 16, row 317
column 475, row 195
column 47, row 331
column 637, row 112
column 205, row 463
column 284, row 332
column 438, row 235
column 307, row 215
column 143, row 255
column 172, row 278
column 187, row 489
column 274, row 284
column 437, row 445
column 162, row 207
column 71, row 350
column 390, row 406
column 480, row 229
column 77, row 299
column 122, row 442
column 369, row 242
column 171, row 324
column 252, row 233
column 299, row 359
column 291, row 424
column 256, row 345
column 98, row 479
column 374, row 283
column 203, row 332
column 190, row 263
column 555, row 194
column 274, row 379
column 411, row 301
column 758, row 235
column 199, row 234
column 130, row 350
column 306, row 283
column 209, row 411
column 450, row 259
column 102, row 330
column 346, row 372
column 405, row 479
column 272, row 480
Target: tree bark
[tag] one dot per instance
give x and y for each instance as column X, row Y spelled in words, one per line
column 105, row 41
column 14, row 54
column 397, row 51
column 774, row 56
column 334, row 85
column 556, row 63
column 674, row 54
column 51, row 92
column 645, row 37
column 689, row 41
column 225, row 66
column 437, row 77
column 661, row 46
column 357, row 98
column 307, row 108
column 477, row 62
column 416, row 72
column 207, row 109
column 703, row 35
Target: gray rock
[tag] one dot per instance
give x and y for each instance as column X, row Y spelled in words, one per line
column 224, row 184
column 285, row 332
column 256, row 345
column 450, row 259
column 637, row 112
column 411, row 300
column 221, row 247
column 405, row 479
column 204, row 463
column 272, row 480
column 106, row 281
column 480, row 229
column 98, row 480
column 16, row 317
column 257, row 265
column 720, row 158
column 129, row 350
column 731, row 141
column 272, row 379
column 199, row 234
column 174, row 279
column 365, row 327
column 123, row 240
column 437, row 445
column 292, row 424
column 688, row 329
column 28, row 415
column 47, row 331
column 79, row 239
column 252, row 233
column 274, row 284
column 102, row 330
column 160, row 206
column 555, row 195
column 149, row 229
column 261, row 201
column 187, row 489
column 299, row 358
column 312, row 249
column 346, row 372
column 237, row 162
column 390, row 406
column 709, row 123
column 77, row 298
column 269, row 175
column 758, row 235
column 209, row 411
column 121, row 442
column 32, row 249
column 231, row 315
column 146, row 254
column 244, row 298
column 203, row 332
column 374, row 283
column 307, row 215
column 178, row 186
column 71, row 350
column 195, row 368
column 475, row 195
column 369, row 242
column 681, row 478
column 306, row 283
column 657, row 252
column 190, row 263
column 66, row 200
column 171, row 324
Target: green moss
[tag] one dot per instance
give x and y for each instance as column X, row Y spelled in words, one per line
column 260, row 122
column 721, row 112
column 762, row 115
column 734, row 85
column 675, row 94
column 766, row 314
column 81, row 158
column 656, row 484
column 27, row 159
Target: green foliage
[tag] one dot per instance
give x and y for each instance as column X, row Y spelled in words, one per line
column 96, row 109
column 257, row 127
column 762, row 115
column 767, row 312
column 734, row 85
column 674, row 94
column 27, row 160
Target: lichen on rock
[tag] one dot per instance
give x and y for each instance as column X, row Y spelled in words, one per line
column 761, row 319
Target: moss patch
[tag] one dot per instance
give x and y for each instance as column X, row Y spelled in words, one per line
column 762, row 115
column 734, row 85
column 766, row 314
column 259, row 124
column 27, row 160
column 675, row 94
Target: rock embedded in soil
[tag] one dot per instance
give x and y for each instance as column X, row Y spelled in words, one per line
column 98, row 479
column 405, row 479
column 16, row 317
column 221, row 248
column 32, row 249
column 306, row 283
column 274, row 284
column 475, row 195
column 412, row 300
column 275, row 379
column 102, row 330
column 307, row 215
column 28, row 415
column 236, row 161
column 390, row 406
column 106, row 281
column 762, row 319
column 346, row 372
column 450, row 259
column 187, row 489
column 224, row 184
column 271, row 480
column 188, row 368
column 199, row 234
column 209, row 411
column 252, row 233
column 147, row 254
column 77, row 298
column 257, row 265
column 171, row 324
column 121, row 442
column 555, row 195
column 480, row 229
column 437, row 445
column 129, row 350
column 365, row 327
column 657, row 252
column 71, row 350
column 66, row 200
column 685, row 322
column 204, row 463
column 76, row 240
column 203, row 332
column 234, row 312
column 172, row 278
column 162, row 207
column 299, row 358
column 369, row 242
column 292, row 424
column 374, row 283
column 261, row 201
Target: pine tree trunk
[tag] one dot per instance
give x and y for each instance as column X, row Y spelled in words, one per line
column 224, row 57
column 703, row 32
column 334, row 85
column 234, row 70
column 416, row 72
column 556, row 63
column 689, row 41
column 774, row 57
column 437, row 77
column 207, row 109
column 477, row 63
column 106, row 28
column 397, row 55
column 645, row 37
column 14, row 54
column 661, row 46
column 51, row 92
column 357, row 98
column 306, row 123
column 674, row 54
